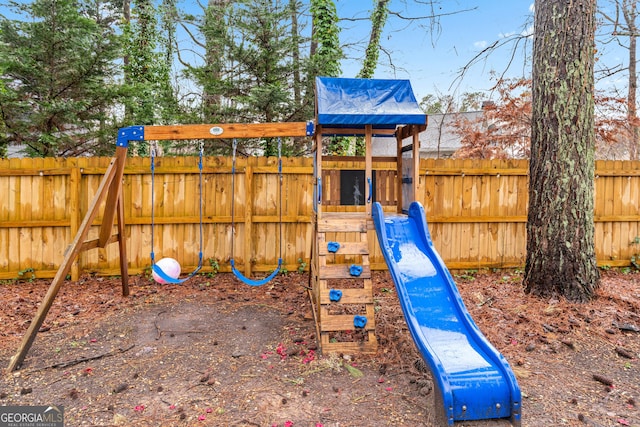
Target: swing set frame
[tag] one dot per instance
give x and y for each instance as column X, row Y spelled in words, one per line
column 110, row 197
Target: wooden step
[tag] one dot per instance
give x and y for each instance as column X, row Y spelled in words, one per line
column 341, row 271
column 349, row 296
column 343, row 322
column 347, row 224
column 364, row 347
column 347, row 248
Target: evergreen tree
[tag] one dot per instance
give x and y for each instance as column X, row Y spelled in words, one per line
column 248, row 68
column 3, row 91
column 59, row 72
column 150, row 97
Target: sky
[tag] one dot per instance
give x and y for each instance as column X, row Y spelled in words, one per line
column 432, row 57
column 431, row 54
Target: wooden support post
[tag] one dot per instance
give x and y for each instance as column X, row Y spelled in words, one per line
column 113, row 195
column 75, row 212
column 105, row 189
column 122, row 246
column 318, row 172
column 415, row 173
column 368, row 166
column 400, row 200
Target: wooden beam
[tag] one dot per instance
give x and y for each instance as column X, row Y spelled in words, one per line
column 408, row 130
column 415, row 168
column 354, row 131
column 122, row 246
column 229, row 130
column 399, row 151
column 70, row 256
column 317, row 203
column 113, row 195
column 368, row 169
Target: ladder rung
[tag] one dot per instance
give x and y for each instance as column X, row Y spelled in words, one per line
column 349, row 296
column 343, row 322
column 347, row 248
column 363, row 347
column 342, row 225
column 341, row 271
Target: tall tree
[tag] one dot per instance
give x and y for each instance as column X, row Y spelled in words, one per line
column 560, row 226
column 324, row 60
column 60, row 63
column 4, row 143
column 378, row 19
column 261, row 54
column 625, row 26
column 215, row 40
column 326, row 52
column 150, row 99
column 372, row 53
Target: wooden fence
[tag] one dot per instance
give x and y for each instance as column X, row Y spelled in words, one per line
column 476, row 212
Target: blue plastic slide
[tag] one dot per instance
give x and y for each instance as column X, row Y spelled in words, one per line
column 473, row 380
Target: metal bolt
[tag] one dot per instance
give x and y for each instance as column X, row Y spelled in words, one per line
column 464, row 408
column 498, row 406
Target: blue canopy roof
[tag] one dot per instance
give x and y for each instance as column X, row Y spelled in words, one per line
column 354, row 103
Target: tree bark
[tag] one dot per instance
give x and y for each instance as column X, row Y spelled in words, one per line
column 560, row 228
column 630, row 12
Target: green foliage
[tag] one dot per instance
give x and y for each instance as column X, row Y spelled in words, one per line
column 325, row 61
column 246, row 72
column 149, row 96
column 28, row 274
column 215, row 267
column 339, row 146
column 469, row 275
column 442, row 104
column 302, row 265
column 378, row 19
column 60, row 61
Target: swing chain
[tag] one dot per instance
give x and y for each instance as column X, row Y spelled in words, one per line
column 153, row 149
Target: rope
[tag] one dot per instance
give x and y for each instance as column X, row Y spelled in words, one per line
column 156, row 268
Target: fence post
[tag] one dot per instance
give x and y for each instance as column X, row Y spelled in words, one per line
column 248, row 217
column 75, row 212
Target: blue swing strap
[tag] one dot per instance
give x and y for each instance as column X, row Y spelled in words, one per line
column 255, row 282
column 156, row 269
column 236, row 272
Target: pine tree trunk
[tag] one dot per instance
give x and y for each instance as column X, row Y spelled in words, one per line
column 560, row 229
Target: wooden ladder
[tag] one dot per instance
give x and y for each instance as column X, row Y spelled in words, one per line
column 333, row 275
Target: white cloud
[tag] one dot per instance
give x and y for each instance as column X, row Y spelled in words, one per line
column 480, row 44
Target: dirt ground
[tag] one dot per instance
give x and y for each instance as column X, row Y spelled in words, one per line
column 216, row 352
